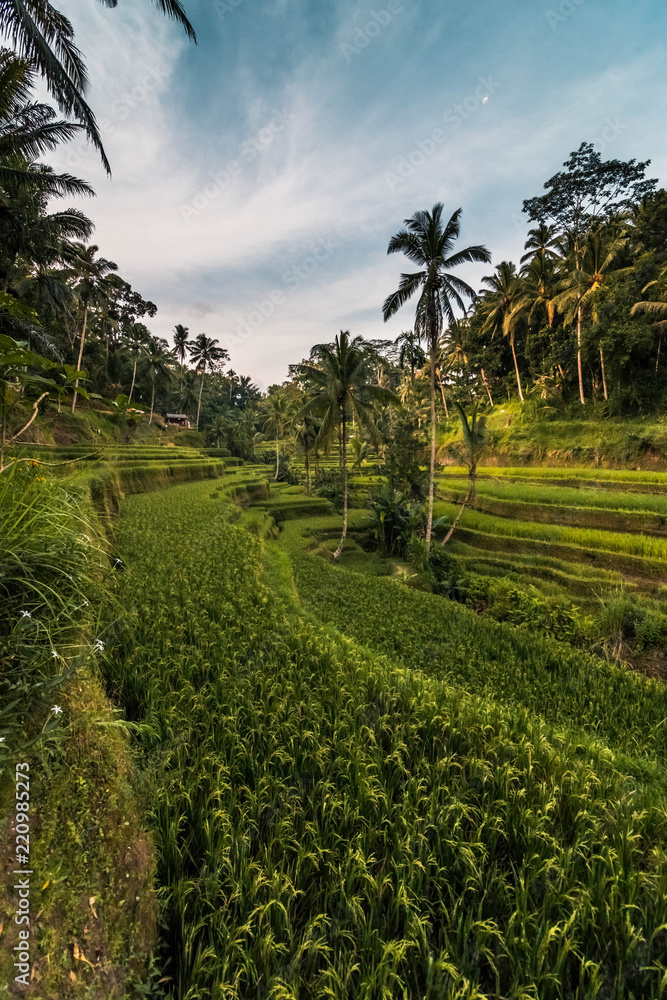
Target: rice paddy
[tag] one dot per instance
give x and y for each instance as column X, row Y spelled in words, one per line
column 362, row 790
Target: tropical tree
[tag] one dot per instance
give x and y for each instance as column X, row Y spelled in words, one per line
column 89, row 289
column 188, row 393
column 232, row 378
column 590, row 267
column 541, row 243
column 136, row 343
column 343, row 392
column 537, row 288
column 205, row 353
column 411, row 354
column 306, row 428
column 44, row 38
column 655, row 308
column 181, row 342
column 360, row 452
column 428, row 242
column 155, row 364
column 474, row 440
column 499, row 308
column 277, row 419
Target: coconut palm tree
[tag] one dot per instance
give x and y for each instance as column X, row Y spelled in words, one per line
column 499, row 307
column 277, row 409
column 306, row 428
column 232, row 378
column 205, row 353
column 344, row 392
column 541, row 243
column 656, row 308
column 44, row 38
column 181, row 342
column 590, row 267
column 360, row 452
column 188, row 392
column 136, row 342
column 411, row 354
column 428, row 242
column 537, row 287
column 155, row 364
column 90, row 290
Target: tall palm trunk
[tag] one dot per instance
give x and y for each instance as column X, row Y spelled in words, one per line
column 343, row 471
column 486, row 386
column 604, row 380
column 277, row 454
column 201, row 389
column 444, row 399
column 657, row 359
column 469, row 498
column 516, row 369
column 431, row 484
column 78, row 364
column 152, row 402
column 581, row 377
column 134, row 375
column 307, row 464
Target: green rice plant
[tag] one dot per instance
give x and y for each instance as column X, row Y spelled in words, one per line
column 568, row 496
column 569, row 474
column 339, row 810
column 588, row 538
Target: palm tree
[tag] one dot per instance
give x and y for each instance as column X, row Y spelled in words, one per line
column 542, row 244
column 411, row 354
column 231, row 378
column 590, row 267
column 657, row 307
column 155, row 365
column 306, row 428
column 44, row 38
column 360, row 451
column 188, row 392
column 428, row 243
column 206, row 354
column 217, row 432
column 181, row 343
column 498, row 306
column 474, row 439
column 137, row 340
column 343, row 393
column 90, row 290
column 537, row 287
column 277, row 420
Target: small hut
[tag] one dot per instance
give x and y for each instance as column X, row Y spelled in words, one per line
column 178, row 419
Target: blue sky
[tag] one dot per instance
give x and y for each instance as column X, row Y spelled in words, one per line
column 259, row 175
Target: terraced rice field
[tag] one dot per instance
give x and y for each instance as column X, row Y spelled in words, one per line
column 359, row 790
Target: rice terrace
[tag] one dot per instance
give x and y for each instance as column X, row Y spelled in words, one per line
column 333, row 563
